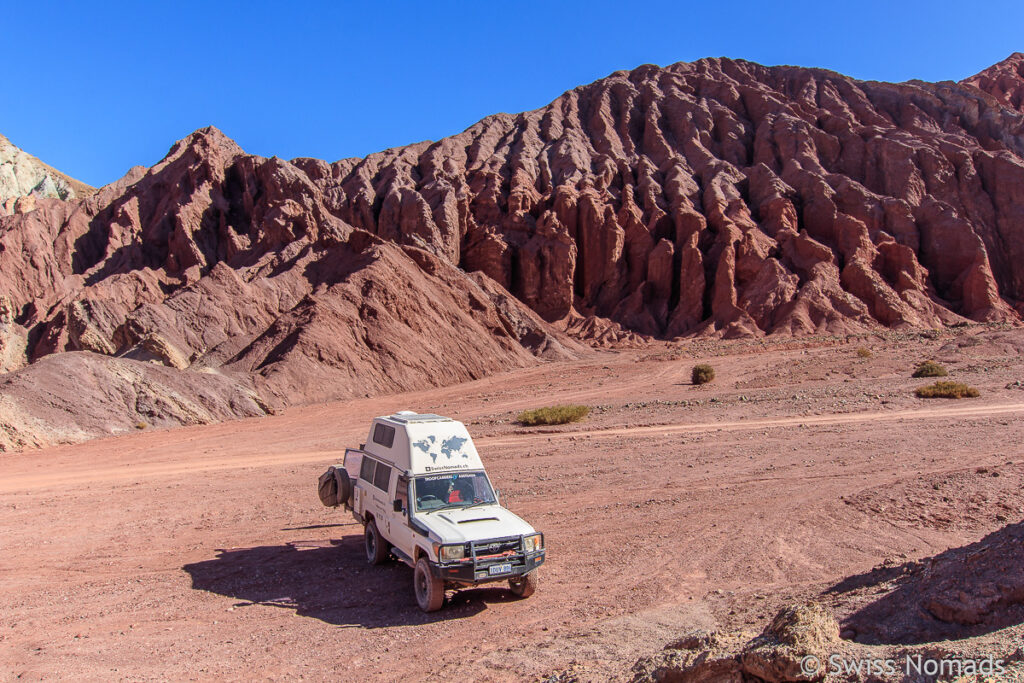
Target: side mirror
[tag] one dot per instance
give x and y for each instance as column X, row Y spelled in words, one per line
column 398, row 506
column 497, row 495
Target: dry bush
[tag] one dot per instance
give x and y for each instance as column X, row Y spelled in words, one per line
column 702, row 374
column 864, row 353
column 946, row 390
column 552, row 415
column 930, row 368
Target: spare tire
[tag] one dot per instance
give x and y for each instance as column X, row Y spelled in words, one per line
column 327, row 487
column 344, row 486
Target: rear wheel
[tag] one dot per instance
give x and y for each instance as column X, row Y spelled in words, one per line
column 429, row 588
column 525, row 585
column 376, row 546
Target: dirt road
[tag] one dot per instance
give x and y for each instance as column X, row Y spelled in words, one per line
column 204, row 554
column 90, row 473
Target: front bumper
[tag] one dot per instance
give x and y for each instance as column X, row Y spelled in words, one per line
column 477, row 567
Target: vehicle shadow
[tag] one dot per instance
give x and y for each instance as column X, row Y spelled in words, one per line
column 960, row 593
column 330, row 581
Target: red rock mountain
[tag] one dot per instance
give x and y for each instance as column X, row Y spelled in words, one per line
column 722, row 197
column 1004, row 81
column 714, row 198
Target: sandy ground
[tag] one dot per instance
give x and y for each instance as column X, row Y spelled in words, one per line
column 203, row 553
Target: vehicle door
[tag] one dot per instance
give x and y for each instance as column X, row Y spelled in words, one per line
column 379, row 496
column 352, row 462
column 369, row 500
column 403, row 534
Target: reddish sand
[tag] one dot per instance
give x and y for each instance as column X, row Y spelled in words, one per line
column 203, row 553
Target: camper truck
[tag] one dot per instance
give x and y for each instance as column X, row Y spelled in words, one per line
column 420, row 489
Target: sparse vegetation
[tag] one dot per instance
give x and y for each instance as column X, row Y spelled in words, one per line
column 553, row 415
column 702, row 374
column 140, row 425
column 946, row 389
column 864, row 353
column 930, row 368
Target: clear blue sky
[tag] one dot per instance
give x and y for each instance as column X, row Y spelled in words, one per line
column 94, row 90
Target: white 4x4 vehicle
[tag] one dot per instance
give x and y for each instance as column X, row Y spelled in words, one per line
column 421, row 491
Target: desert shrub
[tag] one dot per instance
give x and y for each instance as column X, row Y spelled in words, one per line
column 930, row 368
column 946, row 389
column 553, row 415
column 140, row 425
column 702, row 374
column 863, row 352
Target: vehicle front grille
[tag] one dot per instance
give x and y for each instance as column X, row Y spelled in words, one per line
column 497, row 546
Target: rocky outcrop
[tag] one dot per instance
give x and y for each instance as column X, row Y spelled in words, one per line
column 960, row 593
column 794, row 647
column 802, row 645
column 214, row 260
column 13, row 338
column 71, row 397
column 23, row 178
column 698, row 657
column 1003, row 81
column 721, row 197
column 797, row 632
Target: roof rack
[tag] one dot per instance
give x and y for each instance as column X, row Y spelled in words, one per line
column 405, row 417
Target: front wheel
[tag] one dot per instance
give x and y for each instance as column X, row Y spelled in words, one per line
column 429, row 588
column 376, row 546
column 525, row 585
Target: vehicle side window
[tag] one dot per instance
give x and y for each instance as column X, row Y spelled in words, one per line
column 382, row 477
column 384, row 435
column 482, row 489
column 366, row 469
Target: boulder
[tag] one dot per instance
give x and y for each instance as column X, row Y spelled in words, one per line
column 796, row 632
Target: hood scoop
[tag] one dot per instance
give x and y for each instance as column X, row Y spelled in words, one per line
column 452, row 520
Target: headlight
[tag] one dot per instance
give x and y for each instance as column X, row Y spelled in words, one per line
column 452, row 552
column 533, row 543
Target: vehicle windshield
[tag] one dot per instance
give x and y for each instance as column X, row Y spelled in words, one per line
column 442, row 491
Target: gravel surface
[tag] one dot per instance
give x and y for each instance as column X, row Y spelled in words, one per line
column 202, row 553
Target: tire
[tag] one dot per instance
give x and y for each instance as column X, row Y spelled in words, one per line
column 344, row 487
column 327, row 488
column 376, row 547
column 525, row 585
column 429, row 588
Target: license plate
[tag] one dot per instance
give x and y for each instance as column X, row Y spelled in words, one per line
column 499, row 568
